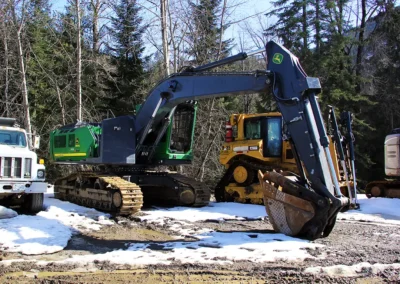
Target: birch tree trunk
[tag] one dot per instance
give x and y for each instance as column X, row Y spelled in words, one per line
column 61, row 105
column 360, row 48
column 21, row 62
column 78, row 61
column 164, row 32
column 6, row 75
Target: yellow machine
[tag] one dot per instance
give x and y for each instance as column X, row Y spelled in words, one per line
column 254, row 142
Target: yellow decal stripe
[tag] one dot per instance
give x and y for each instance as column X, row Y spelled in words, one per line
column 70, row 155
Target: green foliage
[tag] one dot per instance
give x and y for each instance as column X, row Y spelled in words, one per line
column 206, row 34
column 126, row 32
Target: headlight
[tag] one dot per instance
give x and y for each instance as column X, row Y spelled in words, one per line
column 40, row 173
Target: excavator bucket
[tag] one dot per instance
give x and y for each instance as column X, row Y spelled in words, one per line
column 293, row 209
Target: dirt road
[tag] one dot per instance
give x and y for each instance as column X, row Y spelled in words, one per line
column 349, row 244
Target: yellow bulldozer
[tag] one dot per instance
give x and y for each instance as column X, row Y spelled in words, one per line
column 255, row 142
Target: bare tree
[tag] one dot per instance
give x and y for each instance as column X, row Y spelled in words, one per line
column 6, row 65
column 164, row 32
column 78, row 61
column 19, row 23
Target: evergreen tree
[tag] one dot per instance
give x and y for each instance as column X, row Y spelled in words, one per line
column 293, row 25
column 41, row 61
column 205, row 38
column 127, row 52
column 383, row 85
column 206, row 34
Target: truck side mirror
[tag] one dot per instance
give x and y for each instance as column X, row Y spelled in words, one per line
column 36, row 142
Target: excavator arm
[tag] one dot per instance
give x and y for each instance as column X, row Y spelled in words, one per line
column 306, row 206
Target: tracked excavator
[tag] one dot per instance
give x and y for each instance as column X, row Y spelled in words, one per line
column 391, row 186
column 126, row 150
column 255, row 142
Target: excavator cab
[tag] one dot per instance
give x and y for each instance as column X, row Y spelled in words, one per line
column 175, row 147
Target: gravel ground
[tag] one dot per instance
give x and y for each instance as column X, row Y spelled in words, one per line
column 349, row 243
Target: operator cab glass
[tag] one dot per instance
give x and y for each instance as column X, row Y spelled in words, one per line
column 252, row 128
column 273, row 137
column 12, row 138
column 269, row 129
column 182, row 128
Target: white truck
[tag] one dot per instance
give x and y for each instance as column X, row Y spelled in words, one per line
column 22, row 176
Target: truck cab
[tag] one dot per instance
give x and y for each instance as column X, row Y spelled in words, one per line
column 22, row 176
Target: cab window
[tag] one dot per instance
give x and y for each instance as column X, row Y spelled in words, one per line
column 274, row 137
column 71, row 140
column 252, row 128
column 60, row 141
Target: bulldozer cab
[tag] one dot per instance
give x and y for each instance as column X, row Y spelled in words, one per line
column 269, row 130
column 252, row 142
column 257, row 136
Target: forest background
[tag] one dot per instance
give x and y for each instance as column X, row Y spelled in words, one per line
column 93, row 53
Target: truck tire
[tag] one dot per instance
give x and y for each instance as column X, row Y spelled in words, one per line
column 33, row 202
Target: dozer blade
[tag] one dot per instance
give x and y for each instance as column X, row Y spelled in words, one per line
column 293, row 209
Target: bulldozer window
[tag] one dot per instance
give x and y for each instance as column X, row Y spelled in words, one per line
column 252, row 128
column 273, row 138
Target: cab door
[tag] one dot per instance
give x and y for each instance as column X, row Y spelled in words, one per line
column 267, row 129
column 272, row 136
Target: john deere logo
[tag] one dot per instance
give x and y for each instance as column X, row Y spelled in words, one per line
column 278, row 58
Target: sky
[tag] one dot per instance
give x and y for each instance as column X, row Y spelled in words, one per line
column 245, row 12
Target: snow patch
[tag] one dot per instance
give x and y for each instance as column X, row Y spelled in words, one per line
column 214, row 211
column 6, row 213
column 354, row 270
column 49, row 231
column 33, row 235
column 215, row 247
column 77, row 217
column 379, row 210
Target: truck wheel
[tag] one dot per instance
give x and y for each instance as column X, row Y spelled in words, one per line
column 33, row 202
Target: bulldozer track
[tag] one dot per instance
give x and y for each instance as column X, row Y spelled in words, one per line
column 222, row 196
column 115, row 194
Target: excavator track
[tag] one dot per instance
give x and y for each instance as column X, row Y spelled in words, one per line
column 383, row 188
column 121, row 196
column 202, row 192
column 172, row 189
column 100, row 191
column 222, row 196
